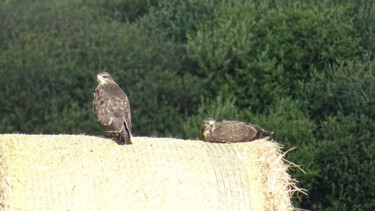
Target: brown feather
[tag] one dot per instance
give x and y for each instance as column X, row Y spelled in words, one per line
column 111, row 106
column 233, row 131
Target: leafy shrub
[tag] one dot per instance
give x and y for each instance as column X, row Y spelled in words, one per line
column 179, row 17
column 264, row 53
column 348, row 87
column 40, row 74
column 51, row 59
column 345, row 158
column 123, row 10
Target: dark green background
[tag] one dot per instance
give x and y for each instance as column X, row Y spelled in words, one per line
column 303, row 69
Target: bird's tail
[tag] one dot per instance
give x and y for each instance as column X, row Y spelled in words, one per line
column 262, row 132
column 124, row 137
column 267, row 133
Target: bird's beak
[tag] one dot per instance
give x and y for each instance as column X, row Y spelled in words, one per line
column 100, row 80
column 211, row 123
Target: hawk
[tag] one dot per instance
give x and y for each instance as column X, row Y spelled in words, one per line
column 111, row 106
column 231, row 131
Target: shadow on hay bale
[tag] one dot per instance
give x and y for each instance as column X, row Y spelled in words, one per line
column 77, row 172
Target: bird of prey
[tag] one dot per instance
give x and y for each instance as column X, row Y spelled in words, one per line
column 111, row 106
column 231, row 131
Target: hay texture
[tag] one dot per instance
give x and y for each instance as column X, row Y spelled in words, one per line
column 77, row 172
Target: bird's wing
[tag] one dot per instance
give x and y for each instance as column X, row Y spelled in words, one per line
column 120, row 106
column 233, row 131
column 105, row 108
column 260, row 131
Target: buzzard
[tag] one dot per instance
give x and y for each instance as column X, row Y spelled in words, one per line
column 231, row 131
column 111, row 106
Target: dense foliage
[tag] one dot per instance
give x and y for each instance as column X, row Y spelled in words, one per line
column 304, row 69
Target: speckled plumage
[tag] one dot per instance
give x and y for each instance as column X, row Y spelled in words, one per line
column 231, row 131
column 111, row 106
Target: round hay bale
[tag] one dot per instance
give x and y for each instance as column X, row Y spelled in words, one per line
column 78, row 172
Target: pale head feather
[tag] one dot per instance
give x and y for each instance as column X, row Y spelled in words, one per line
column 104, row 78
column 208, row 125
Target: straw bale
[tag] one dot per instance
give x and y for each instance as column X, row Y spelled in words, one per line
column 79, row 172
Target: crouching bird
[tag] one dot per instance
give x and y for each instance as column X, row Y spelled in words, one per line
column 231, row 131
column 111, row 106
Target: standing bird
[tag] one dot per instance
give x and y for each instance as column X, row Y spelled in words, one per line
column 111, row 106
column 231, row 131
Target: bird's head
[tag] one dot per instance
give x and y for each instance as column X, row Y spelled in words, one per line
column 104, row 78
column 208, row 124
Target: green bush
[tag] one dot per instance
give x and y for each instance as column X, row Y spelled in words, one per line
column 345, row 159
column 342, row 102
column 347, row 87
column 123, row 10
column 51, row 59
column 40, row 69
column 261, row 54
column 179, row 17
